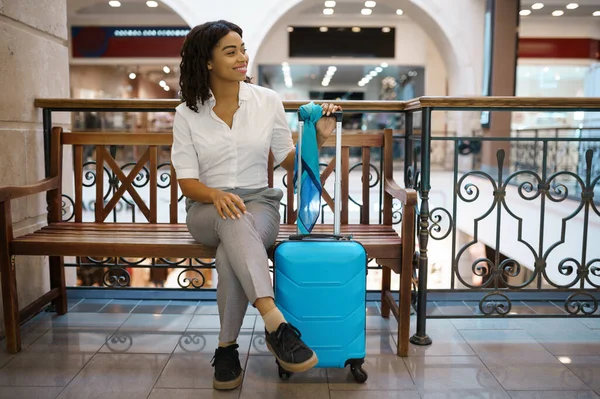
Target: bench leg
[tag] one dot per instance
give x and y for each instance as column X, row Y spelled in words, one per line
column 10, row 302
column 386, row 279
column 404, row 314
column 57, row 280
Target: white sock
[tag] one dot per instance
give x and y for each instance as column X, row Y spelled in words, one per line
column 273, row 319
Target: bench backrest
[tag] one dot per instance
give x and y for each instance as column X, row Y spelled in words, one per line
column 162, row 174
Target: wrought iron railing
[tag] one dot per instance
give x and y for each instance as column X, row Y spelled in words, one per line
column 500, row 218
column 523, row 224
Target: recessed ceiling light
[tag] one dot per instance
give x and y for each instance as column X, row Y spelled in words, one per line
column 373, row 73
column 557, row 13
column 328, row 11
column 384, row 64
column 290, row 28
column 370, row 4
column 399, row 12
column 546, row 69
column 524, row 13
column 114, row 3
column 166, row 69
column 379, row 69
column 572, row 6
column 596, row 13
column 355, row 29
column 366, row 11
column 330, row 4
column 323, row 29
column 166, row 88
column 152, row 3
column 386, row 29
column 132, row 76
column 537, row 6
column 361, row 83
column 162, row 83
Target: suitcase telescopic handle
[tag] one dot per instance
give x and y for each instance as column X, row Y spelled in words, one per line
column 337, row 196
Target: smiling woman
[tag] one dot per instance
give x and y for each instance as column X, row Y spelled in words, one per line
column 223, row 135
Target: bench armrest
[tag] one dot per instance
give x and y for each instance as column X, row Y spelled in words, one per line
column 407, row 196
column 12, row 192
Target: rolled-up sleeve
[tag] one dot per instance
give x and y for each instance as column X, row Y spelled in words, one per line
column 281, row 141
column 183, row 153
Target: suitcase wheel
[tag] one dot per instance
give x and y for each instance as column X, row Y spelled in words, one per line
column 359, row 374
column 283, row 373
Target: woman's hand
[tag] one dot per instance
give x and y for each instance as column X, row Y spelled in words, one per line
column 326, row 125
column 228, row 205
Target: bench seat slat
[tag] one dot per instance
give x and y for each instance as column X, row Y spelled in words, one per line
column 168, row 240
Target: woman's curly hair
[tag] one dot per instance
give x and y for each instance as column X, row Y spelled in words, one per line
column 195, row 54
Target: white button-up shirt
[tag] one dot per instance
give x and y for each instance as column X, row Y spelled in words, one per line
column 205, row 148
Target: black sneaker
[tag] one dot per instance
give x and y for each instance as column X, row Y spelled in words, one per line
column 291, row 353
column 228, row 370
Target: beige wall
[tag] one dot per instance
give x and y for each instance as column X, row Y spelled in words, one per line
column 33, row 63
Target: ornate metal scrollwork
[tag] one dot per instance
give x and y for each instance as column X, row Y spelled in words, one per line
column 116, row 277
column 501, row 306
column 575, row 305
column 195, row 282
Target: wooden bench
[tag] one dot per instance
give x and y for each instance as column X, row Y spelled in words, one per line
column 172, row 240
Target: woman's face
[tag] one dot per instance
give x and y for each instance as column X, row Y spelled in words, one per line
column 229, row 58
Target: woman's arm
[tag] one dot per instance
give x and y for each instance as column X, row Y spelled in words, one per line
column 325, row 127
column 228, row 205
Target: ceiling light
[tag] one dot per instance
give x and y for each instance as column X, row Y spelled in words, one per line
column 384, row 64
column 572, row 6
column 524, row 13
column 546, row 69
column 556, row 77
column 323, row 29
column 366, row 11
column 166, row 88
column 361, row 83
column 370, row 4
column 373, row 73
column 114, row 3
column 596, row 13
column 379, row 69
column 166, row 69
column 330, row 4
column 290, row 29
column 284, row 64
column 355, row 29
column 332, row 68
column 386, row 29
column 328, row 11
column 162, row 83
column 152, row 4
column 399, row 12
column 537, row 6
column 557, row 13
column 132, row 76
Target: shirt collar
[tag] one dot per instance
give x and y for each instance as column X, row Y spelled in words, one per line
column 244, row 94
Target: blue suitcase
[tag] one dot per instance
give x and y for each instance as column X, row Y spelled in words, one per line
column 320, row 287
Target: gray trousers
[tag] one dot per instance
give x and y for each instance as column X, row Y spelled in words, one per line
column 241, row 259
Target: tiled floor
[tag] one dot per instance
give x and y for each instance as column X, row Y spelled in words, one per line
column 162, row 350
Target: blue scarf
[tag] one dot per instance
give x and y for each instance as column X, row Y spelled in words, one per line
column 310, row 193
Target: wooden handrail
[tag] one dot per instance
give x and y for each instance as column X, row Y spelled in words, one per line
column 442, row 103
column 66, row 104
column 566, row 103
